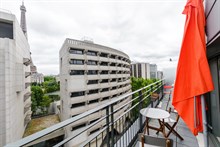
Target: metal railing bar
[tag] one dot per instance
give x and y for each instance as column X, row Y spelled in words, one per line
column 130, row 108
column 83, row 130
column 130, row 102
column 69, row 121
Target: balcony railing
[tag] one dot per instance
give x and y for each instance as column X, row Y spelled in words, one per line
column 120, row 124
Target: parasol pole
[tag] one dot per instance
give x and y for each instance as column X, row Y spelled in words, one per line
column 205, row 132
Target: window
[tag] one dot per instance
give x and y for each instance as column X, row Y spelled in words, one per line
column 78, row 126
column 92, row 72
column 119, row 72
column 93, row 91
column 94, row 131
column 139, row 71
column 104, row 72
column 76, row 61
column 78, row 105
column 61, row 63
column 119, row 65
column 92, row 53
column 104, row 81
column 75, row 51
column 75, row 115
column 105, row 98
column 104, row 64
column 120, row 80
column 120, row 86
column 94, row 120
column 113, row 80
column 113, row 88
column 77, row 72
column 91, row 62
column 76, row 94
column 113, row 56
column 114, row 96
column 113, row 64
column 214, row 99
column 6, row 30
column 104, row 89
column 113, row 72
column 104, row 55
column 93, row 101
column 93, row 82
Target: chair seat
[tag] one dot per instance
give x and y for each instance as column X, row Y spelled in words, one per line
column 169, row 120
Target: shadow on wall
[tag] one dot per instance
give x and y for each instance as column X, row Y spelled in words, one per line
column 169, row 75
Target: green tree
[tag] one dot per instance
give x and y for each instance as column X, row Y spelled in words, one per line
column 49, row 78
column 50, row 86
column 138, row 83
column 37, row 94
column 46, row 101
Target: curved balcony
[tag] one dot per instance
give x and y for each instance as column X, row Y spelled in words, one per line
column 27, row 95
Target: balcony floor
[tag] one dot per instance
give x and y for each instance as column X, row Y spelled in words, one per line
column 189, row 139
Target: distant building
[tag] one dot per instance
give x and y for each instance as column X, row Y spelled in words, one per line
column 37, row 78
column 91, row 75
column 140, row 70
column 159, row 75
column 153, row 71
column 33, row 67
column 15, row 100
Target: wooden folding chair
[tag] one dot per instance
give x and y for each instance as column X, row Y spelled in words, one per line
column 155, row 141
column 168, row 122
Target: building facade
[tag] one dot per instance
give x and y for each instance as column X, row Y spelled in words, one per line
column 153, row 71
column 213, row 53
column 37, row 78
column 159, row 75
column 15, row 101
column 140, row 70
column 90, row 75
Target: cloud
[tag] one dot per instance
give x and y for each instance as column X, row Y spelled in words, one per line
column 146, row 30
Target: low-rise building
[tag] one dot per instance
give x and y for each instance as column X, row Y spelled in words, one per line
column 153, row 71
column 15, row 100
column 140, row 70
column 91, row 75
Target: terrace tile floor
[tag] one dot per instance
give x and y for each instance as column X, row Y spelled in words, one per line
column 189, row 139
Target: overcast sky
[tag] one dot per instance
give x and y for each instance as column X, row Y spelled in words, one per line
column 147, row 30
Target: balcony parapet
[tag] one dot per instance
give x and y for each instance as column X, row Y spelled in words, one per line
column 27, row 84
column 27, row 74
column 26, row 61
column 27, row 95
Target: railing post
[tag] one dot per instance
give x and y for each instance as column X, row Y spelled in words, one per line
column 140, row 107
column 151, row 91
column 162, row 88
column 112, row 126
column 107, row 124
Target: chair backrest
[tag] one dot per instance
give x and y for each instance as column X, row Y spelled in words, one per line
column 156, row 141
column 177, row 115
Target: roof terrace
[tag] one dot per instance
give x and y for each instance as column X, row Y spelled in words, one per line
column 126, row 126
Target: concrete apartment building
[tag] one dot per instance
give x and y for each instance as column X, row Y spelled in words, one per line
column 159, row 75
column 37, row 78
column 90, row 75
column 212, row 13
column 153, row 71
column 140, row 70
column 15, row 100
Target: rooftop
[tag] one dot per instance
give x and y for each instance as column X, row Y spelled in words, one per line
column 38, row 124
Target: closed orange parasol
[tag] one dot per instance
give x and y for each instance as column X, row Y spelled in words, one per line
column 193, row 77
